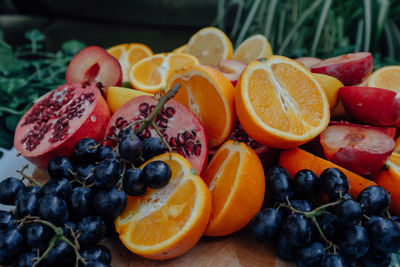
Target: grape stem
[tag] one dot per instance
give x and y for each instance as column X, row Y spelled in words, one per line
column 29, row 178
column 45, row 254
column 121, row 179
column 163, row 139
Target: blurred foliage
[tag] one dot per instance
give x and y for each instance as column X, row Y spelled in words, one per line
column 321, row 28
column 26, row 73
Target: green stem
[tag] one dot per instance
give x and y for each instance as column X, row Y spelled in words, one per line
column 121, row 179
column 320, row 210
column 29, row 178
column 161, row 136
column 45, row 254
column 12, row 111
column 161, row 102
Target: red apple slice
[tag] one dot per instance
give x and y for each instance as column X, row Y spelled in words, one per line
column 350, row 69
column 360, row 149
column 231, row 69
column 371, row 105
column 391, row 131
column 94, row 64
column 308, row 62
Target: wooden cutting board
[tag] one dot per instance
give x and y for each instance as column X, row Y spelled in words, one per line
column 239, row 249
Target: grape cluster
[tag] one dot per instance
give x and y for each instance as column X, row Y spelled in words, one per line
column 342, row 232
column 61, row 222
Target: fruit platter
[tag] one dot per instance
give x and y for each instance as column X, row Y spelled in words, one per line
column 206, row 156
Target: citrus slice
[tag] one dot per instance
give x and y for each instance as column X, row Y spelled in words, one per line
column 210, row 45
column 150, row 74
column 128, row 55
column 117, row 96
column 387, row 78
column 296, row 159
column 280, row 103
column 181, row 49
column 254, row 47
column 331, row 87
column 165, row 223
column 389, row 178
column 235, row 177
column 210, row 96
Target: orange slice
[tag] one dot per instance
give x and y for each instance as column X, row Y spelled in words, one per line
column 210, row 45
column 181, row 49
column 235, row 177
column 296, row 159
column 331, row 87
column 150, row 74
column 165, row 223
column 387, row 77
column 128, row 55
column 117, row 96
column 210, row 96
column 389, row 178
column 280, row 103
column 254, row 47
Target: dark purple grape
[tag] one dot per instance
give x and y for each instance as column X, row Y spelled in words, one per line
column 106, row 173
column 9, row 189
column 384, row 234
column 53, row 208
column 152, row 147
column 329, row 224
column 333, row 260
column 110, row 203
column 98, row 264
column 156, row 174
column 105, row 152
column 67, row 228
column 278, row 181
column 36, row 236
column 33, row 189
column 92, row 229
column 353, row 241
column 62, row 254
column 306, row 184
column 349, row 212
column 60, row 167
column 61, row 187
column 311, row 255
column 26, row 259
column 284, row 249
column 97, row 253
column 375, row 258
column 26, row 204
column 373, row 200
column 298, row 229
column 81, row 202
column 130, row 147
column 86, row 150
column 84, row 173
column 266, row 225
column 302, row 205
column 134, row 184
column 11, row 243
column 334, row 183
column 6, row 219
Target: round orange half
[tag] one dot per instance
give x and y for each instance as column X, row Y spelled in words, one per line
column 387, row 77
column 280, row 103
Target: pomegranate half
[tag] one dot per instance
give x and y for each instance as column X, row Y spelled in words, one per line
column 58, row 120
column 180, row 127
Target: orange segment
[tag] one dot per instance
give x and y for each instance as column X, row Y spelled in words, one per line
column 210, row 96
column 210, row 45
column 117, row 96
column 181, row 49
column 150, row 74
column 389, row 178
column 296, row 159
column 235, row 177
column 118, row 51
column 167, row 222
column 280, row 103
column 254, row 47
column 387, row 77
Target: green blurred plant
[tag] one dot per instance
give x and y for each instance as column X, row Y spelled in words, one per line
column 322, row 28
column 26, row 73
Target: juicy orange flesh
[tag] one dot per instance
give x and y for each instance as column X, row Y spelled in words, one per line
column 197, row 93
column 148, row 72
column 293, row 107
column 164, row 223
column 389, row 79
column 395, row 159
column 116, row 53
column 136, row 54
column 208, row 57
column 178, row 62
column 224, row 174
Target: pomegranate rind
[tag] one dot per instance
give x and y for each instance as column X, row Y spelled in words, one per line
column 182, row 121
column 91, row 124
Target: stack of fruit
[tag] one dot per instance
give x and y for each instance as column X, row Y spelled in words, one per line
column 108, row 167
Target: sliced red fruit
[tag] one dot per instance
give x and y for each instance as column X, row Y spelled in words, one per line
column 362, row 150
column 94, row 64
column 308, row 62
column 268, row 156
column 350, row 69
column 371, row 105
column 180, row 127
column 231, row 69
column 391, row 131
column 58, row 120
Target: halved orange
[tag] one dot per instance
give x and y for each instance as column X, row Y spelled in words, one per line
column 254, row 47
column 235, row 177
column 151, row 74
column 165, row 223
column 128, row 55
column 280, row 103
column 210, row 45
column 389, row 178
column 387, row 77
column 117, row 96
column 181, row 49
column 210, row 96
